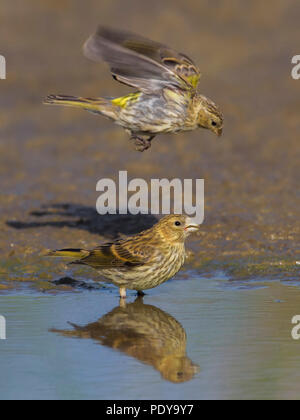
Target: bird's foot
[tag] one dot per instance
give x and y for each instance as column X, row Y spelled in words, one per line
column 141, row 144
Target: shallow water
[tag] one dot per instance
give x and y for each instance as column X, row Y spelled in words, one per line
column 238, row 344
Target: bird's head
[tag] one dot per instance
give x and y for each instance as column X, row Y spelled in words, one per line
column 176, row 227
column 209, row 116
column 177, row 368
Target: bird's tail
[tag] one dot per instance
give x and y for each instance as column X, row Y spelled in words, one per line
column 69, row 253
column 97, row 105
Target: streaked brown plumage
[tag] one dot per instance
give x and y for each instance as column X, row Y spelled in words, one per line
column 167, row 100
column 142, row 261
column 146, row 333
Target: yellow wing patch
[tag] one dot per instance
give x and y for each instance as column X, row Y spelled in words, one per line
column 193, row 80
column 124, row 100
column 174, row 95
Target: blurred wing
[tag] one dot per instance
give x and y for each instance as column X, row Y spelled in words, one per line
column 117, row 254
column 141, row 63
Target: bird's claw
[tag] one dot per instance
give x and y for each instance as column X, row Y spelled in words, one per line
column 141, row 144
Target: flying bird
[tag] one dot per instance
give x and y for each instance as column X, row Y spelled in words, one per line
column 140, row 262
column 166, row 100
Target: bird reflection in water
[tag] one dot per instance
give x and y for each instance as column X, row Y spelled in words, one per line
column 145, row 332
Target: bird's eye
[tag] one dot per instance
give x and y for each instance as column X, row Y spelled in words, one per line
column 213, row 123
column 177, row 223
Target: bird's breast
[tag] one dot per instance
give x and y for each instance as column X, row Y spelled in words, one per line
column 149, row 275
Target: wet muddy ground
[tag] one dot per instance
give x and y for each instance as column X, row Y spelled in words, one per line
column 52, row 158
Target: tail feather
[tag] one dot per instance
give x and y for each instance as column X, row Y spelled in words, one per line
column 98, row 105
column 69, row 253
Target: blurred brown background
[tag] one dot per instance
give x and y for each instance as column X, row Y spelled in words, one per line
column 52, row 158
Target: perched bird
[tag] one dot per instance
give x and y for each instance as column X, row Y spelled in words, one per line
column 166, row 100
column 140, row 262
column 146, row 333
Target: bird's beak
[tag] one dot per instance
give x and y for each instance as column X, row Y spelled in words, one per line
column 191, row 226
column 218, row 131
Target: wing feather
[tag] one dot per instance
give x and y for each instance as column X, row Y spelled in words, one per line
column 119, row 254
column 141, row 63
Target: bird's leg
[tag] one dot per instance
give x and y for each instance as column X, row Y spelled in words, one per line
column 139, row 299
column 122, row 291
column 122, row 301
column 141, row 143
